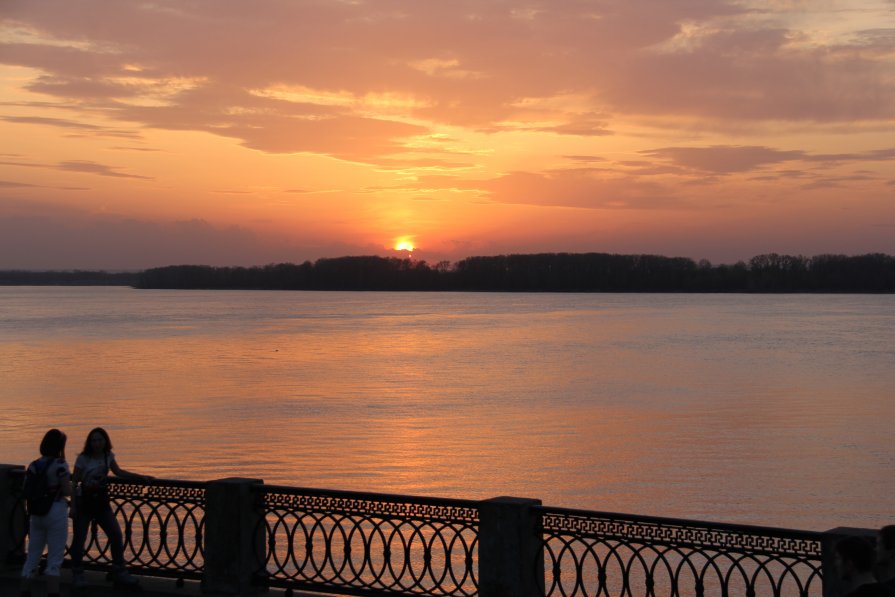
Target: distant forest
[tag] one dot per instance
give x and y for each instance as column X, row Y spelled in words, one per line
column 67, row 278
column 543, row 272
column 547, row 272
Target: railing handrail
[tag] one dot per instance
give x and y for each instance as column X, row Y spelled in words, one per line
column 155, row 481
column 392, row 498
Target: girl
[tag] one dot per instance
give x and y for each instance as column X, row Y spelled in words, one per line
column 92, row 503
column 51, row 529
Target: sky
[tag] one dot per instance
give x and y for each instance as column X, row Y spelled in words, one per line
column 147, row 133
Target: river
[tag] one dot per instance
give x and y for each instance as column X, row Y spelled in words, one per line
column 763, row 409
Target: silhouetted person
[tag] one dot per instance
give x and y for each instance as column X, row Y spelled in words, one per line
column 50, row 529
column 855, row 557
column 92, row 503
column 885, row 557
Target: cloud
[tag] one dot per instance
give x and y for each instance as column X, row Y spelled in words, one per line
column 9, row 184
column 754, row 73
column 587, row 125
column 53, row 237
column 722, row 159
column 58, row 122
column 47, row 235
column 83, row 166
column 582, row 188
column 587, row 159
column 466, row 63
column 729, row 159
column 653, row 105
column 84, row 127
column 99, row 169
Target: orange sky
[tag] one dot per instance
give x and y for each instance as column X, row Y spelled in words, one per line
column 137, row 134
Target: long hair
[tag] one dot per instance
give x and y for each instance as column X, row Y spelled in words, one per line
column 87, row 450
column 53, row 444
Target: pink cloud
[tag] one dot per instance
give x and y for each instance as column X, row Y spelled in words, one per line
column 728, row 159
column 497, row 54
column 585, row 188
column 94, row 168
column 724, row 159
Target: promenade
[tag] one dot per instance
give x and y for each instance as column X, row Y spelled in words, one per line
column 99, row 587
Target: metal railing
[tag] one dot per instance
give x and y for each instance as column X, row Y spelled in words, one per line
column 162, row 523
column 376, row 544
column 594, row 553
column 363, row 543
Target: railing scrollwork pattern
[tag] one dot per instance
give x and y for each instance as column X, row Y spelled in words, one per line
column 163, row 524
column 366, row 544
column 369, row 544
column 589, row 554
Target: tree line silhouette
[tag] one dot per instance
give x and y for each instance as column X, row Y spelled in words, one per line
column 546, row 272
column 67, row 278
column 542, row 272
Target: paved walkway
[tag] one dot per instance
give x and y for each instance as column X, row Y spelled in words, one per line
column 98, row 587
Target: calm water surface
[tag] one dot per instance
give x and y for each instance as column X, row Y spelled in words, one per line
column 758, row 409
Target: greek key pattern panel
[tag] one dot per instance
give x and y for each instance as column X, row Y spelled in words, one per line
column 379, row 545
column 676, row 532
column 597, row 555
column 387, row 507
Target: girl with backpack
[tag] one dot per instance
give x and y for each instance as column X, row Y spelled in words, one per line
column 47, row 484
column 92, row 468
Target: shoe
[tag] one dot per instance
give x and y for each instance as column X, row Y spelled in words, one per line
column 124, row 578
column 77, row 579
column 126, row 583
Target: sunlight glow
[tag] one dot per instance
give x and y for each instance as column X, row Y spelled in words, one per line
column 404, row 245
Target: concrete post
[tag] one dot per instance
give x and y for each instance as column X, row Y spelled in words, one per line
column 511, row 563
column 232, row 554
column 12, row 519
column 833, row 585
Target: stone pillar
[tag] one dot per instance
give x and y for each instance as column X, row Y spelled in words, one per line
column 833, row 586
column 511, row 561
column 12, row 519
column 234, row 537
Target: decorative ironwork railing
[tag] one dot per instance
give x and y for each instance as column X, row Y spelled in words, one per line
column 600, row 554
column 162, row 522
column 363, row 543
column 374, row 544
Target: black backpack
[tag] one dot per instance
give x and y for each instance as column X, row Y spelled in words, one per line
column 36, row 490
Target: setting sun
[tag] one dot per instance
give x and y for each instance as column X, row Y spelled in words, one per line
column 404, row 246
